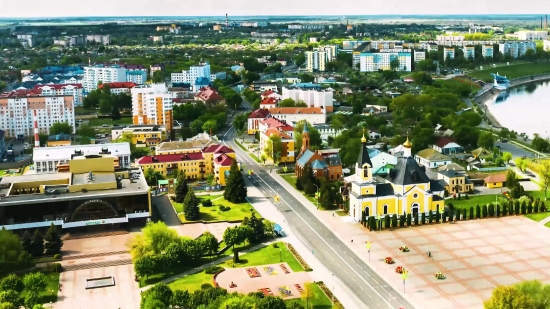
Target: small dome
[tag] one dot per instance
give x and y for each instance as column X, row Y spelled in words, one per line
column 363, row 139
column 407, row 143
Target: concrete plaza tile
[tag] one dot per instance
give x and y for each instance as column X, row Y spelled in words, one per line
column 526, row 255
column 431, row 247
column 474, row 242
column 452, row 265
column 453, row 245
column 386, row 236
column 492, row 270
column 468, row 274
column 441, row 237
column 485, row 232
column 393, row 243
column 542, row 263
column 408, row 232
column 485, row 294
column 428, row 292
column 516, row 238
column 480, row 284
column 437, row 282
column 426, row 268
column 501, row 258
column 516, row 266
column 442, row 256
column 415, row 259
column 487, row 250
column 416, row 281
column 440, row 303
column 419, row 240
column 531, row 275
column 477, row 261
column 496, row 240
column 505, row 279
column 465, row 253
column 545, row 252
column 546, row 271
column 453, row 288
column 467, row 299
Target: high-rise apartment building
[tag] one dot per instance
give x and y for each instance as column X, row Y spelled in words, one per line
column 312, row 96
column 316, row 60
column 448, row 52
column 487, row 51
column 381, row 60
column 469, row 52
column 101, row 73
column 17, row 112
column 152, row 104
column 516, row 49
column 196, row 76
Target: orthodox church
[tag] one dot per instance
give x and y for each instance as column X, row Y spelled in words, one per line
column 406, row 188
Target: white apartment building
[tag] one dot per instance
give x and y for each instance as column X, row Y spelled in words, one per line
column 118, row 88
column 74, row 90
column 138, row 76
column 152, row 104
column 193, row 75
column 313, row 97
column 100, row 73
column 532, row 35
column 375, row 61
column 17, row 112
column 316, row 60
column 313, row 115
column 516, row 49
column 448, row 52
column 469, row 52
column 546, row 45
column 419, row 55
column 487, row 51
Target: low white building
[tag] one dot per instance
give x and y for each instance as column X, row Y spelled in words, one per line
column 46, row 159
column 313, row 96
column 430, row 158
column 325, row 130
column 419, row 55
column 313, row 115
column 532, row 35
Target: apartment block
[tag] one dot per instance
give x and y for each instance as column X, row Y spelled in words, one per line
column 469, row 52
column 74, row 90
column 313, row 97
column 142, row 135
column 313, row 115
column 101, row 73
column 152, row 105
column 487, row 51
column 381, row 60
column 532, row 35
column 118, row 88
column 448, row 52
column 316, row 60
column 17, row 112
column 197, row 76
column 419, row 55
column 516, row 49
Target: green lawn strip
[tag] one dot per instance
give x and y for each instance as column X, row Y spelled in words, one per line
column 547, row 224
column 538, row 216
column 513, row 71
column 317, row 299
column 213, row 213
column 96, row 122
column 472, row 201
column 152, row 279
column 291, row 179
column 263, row 256
column 47, row 296
column 253, row 156
column 240, row 145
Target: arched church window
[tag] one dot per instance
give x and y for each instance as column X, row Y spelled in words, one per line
column 385, row 209
column 365, row 172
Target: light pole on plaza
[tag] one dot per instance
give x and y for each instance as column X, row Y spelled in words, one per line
column 369, row 243
column 404, row 276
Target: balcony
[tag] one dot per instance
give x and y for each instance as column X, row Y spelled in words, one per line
column 201, row 164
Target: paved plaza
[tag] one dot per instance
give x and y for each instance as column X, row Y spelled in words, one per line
column 95, row 245
column 475, row 256
column 124, row 295
column 278, row 278
column 195, row 230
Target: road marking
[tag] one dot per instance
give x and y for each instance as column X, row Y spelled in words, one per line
column 323, row 240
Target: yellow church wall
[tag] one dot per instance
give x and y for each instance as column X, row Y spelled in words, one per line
column 422, row 186
column 367, row 190
column 397, row 188
column 420, row 199
column 368, row 204
column 436, row 204
column 390, row 201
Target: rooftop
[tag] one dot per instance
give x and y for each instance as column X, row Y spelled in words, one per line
column 259, row 113
column 296, row 110
column 218, row 149
column 167, row 158
column 495, row 178
column 193, row 144
column 118, row 85
column 59, row 137
column 65, row 152
column 432, row 155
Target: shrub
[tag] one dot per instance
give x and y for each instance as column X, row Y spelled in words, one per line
column 471, row 212
column 416, row 219
column 542, row 206
column 466, row 196
column 329, row 295
column 275, row 245
column 530, row 208
column 498, row 210
column 423, row 218
column 464, row 216
column 56, row 267
column 444, row 217
column 57, row 256
column 536, row 208
column 225, row 208
column 484, row 211
column 517, row 207
column 206, row 286
column 299, row 185
column 206, row 203
column 504, row 210
column 409, row 219
column 394, row 221
column 213, row 269
column 491, row 210
column 523, row 208
column 478, row 212
column 387, row 221
column 401, row 221
column 430, row 216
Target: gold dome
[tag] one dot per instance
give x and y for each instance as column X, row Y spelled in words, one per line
column 407, row 143
column 363, row 139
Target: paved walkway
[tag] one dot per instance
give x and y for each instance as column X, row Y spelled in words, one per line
column 544, row 221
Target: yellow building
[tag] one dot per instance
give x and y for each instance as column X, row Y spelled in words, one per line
column 287, row 151
column 455, row 182
column 92, row 193
column 407, row 188
column 58, row 140
column 142, row 135
column 495, row 181
column 195, row 144
column 215, row 159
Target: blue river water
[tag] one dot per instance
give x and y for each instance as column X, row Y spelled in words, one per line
column 524, row 109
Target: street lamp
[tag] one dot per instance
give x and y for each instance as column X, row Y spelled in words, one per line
column 280, row 255
column 404, row 276
column 369, row 243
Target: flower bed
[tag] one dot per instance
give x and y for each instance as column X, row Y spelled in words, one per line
column 329, row 295
column 215, row 276
column 439, row 276
column 399, row 269
column 253, row 272
column 285, row 291
column 404, row 249
column 298, row 257
column 389, row 260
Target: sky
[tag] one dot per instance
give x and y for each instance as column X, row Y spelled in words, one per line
column 69, row 8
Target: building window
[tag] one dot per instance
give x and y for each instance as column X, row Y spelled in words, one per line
column 415, row 195
column 385, row 209
column 367, row 211
column 365, row 172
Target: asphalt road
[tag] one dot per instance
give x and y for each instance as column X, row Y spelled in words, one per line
column 351, row 269
column 166, row 211
column 516, row 151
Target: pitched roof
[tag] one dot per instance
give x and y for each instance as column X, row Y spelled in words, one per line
column 480, row 152
column 117, row 85
column 20, row 93
column 443, row 141
column 170, row 158
column 268, row 101
column 259, row 113
column 296, row 110
column 58, row 86
column 407, row 172
column 364, row 157
column 193, row 144
column 223, row 160
column 304, row 157
column 272, row 131
column 276, row 123
column 495, row 178
column 333, row 160
column 432, row 155
column 318, row 164
column 268, row 92
column 218, row 149
column 208, row 94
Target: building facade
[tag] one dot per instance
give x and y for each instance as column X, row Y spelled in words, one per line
column 195, row 72
column 102, row 73
column 74, row 90
column 254, row 120
column 313, row 115
column 516, row 49
column 487, row 51
column 419, row 55
column 532, row 35
column 142, row 135
column 152, row 105
column 17, row 112
column 381, row 60
column 469, row 52
column 448, row 53
column 118, row 88
column 313, row 97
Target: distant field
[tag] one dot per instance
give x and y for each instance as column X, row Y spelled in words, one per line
column 461, row 81
column 97, row 122
column 513, row 71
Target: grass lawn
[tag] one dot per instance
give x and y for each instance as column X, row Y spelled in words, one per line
column 213, row 213
column 52, row 285
column 547, row 224
column 456, row 81
column 472, row 201
column 317, row 299
column 513, row 71
column 267, row 255
column 538, row 216
column 291, row 179
column 191, row 282
column 97, row 122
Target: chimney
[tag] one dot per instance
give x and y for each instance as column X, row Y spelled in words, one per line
column 35, row 125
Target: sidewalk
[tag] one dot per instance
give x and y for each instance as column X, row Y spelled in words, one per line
column 345, row 231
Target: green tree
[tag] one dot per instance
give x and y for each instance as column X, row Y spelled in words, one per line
column 394, row 64
column 505, row 297
column 11, row 283
column 35, row 282
column 31, row 300
column 486, row 140
column 210, row 242
column 10, row 297
column 161, row 292
column 210, row 126
column 506, row 156
column 230, row 236
column 258, row 229
column 85, row 130
column 315, row 140
column 61, row 128
column 181, row 187
column 478, row 212
column 37, row 244
column 152, row 176
column 191, row 206
column 235, row 187
column 288, row 102
column 53, row 242
column 326, row 198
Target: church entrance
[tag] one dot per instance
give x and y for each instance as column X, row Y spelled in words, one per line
column 367, row 211
column 415, row 209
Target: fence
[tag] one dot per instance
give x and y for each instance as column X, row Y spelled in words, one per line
column 490, row 169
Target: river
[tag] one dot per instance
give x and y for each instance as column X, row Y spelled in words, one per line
column 524, row 109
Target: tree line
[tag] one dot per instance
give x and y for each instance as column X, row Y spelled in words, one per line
column 107, row 102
